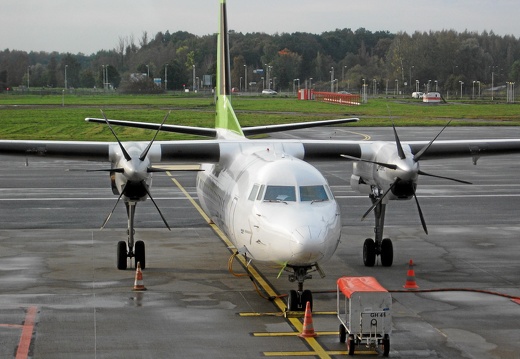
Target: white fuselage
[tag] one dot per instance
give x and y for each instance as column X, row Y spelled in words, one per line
column 273, row 206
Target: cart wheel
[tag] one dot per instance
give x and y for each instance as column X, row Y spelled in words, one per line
column 386, row 345
column 342, row 333
column 351, row 345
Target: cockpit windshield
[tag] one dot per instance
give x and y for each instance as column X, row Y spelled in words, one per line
column 280, row 193
column 313, row 193
column 317, row 193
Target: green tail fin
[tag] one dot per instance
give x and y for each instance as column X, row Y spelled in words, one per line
column 225, row 115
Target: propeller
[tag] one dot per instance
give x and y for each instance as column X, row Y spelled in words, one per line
column 408, row 181
column 132, row 170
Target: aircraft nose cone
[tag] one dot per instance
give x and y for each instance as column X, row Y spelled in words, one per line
column 307, row 244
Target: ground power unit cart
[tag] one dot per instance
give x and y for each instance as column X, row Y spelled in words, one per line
column 364, row 311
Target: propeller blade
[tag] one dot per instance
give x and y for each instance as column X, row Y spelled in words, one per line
column 113, row 209
column 376, row 203
column 419, row 154
column 156, row 206
column 145, row 152
column 448, row 178
column 127, row 156
column 400, row 150
column 387, row 165
column 423, row 222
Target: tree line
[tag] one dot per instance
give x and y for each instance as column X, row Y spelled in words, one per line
column 342, row 59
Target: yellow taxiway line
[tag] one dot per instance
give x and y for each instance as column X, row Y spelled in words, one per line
column 317, row 349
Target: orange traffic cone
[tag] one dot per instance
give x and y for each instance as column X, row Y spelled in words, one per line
column 410, row 278
column 138, row 284
column 308, row 327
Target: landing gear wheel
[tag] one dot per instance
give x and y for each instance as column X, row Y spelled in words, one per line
column 387, row 252
column 342, row 333
column 122, row 255
column 351, row 345
column 292, row 301
column 297, row 302
column 369, row 252
column 306, row 297
column 140, row 256
column 386, row 345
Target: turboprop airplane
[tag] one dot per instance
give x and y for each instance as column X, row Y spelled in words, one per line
column 264, row 194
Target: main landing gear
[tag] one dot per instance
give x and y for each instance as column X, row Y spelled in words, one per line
column 378, row 247
column 297, row 299
column 136, row 251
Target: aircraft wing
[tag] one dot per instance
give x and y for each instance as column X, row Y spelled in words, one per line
column 199, row 151
column 466, row 148
column 319, row 150
column 89, row 151
column 172, row 151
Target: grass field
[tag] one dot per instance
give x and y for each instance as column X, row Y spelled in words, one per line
column 61, row 118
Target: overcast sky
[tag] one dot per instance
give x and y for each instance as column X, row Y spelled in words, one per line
column 88, row 26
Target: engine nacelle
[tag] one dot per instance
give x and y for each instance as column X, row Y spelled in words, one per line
column 359, row 185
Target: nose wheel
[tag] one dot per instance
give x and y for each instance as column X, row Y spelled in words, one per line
column 297, row 299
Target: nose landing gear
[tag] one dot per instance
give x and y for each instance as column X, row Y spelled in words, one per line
column 297, row 299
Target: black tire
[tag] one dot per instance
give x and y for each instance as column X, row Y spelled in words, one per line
column 342, row 334
column 292, row 301
column 369, row 252
column 140, row 254
column 122, row 255
column 386, row 345
column 306, row 297
column 387, row 252
column 351, row 345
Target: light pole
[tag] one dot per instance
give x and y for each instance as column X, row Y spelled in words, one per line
column 266, row 74
column 240, row 86
column 461, row 83
column 436, row 86
column 473, row 91
column 332, row 79
column 245, row 78
column 411, row 75
column 103, row 71
column 166, row 77
column 193, row 81
column 66, row 76
column 416, row 85
column 106, row 77
column 310, row 83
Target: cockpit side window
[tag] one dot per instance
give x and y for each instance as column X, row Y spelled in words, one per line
column 313, row 193
column 280, row 193
column 260, row 193
column 254, row 192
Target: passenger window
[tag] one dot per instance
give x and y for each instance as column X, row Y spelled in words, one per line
column 253, row 193
column 313, row 193
column 280, row 193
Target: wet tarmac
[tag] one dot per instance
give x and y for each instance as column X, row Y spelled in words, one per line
column 61, row 295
